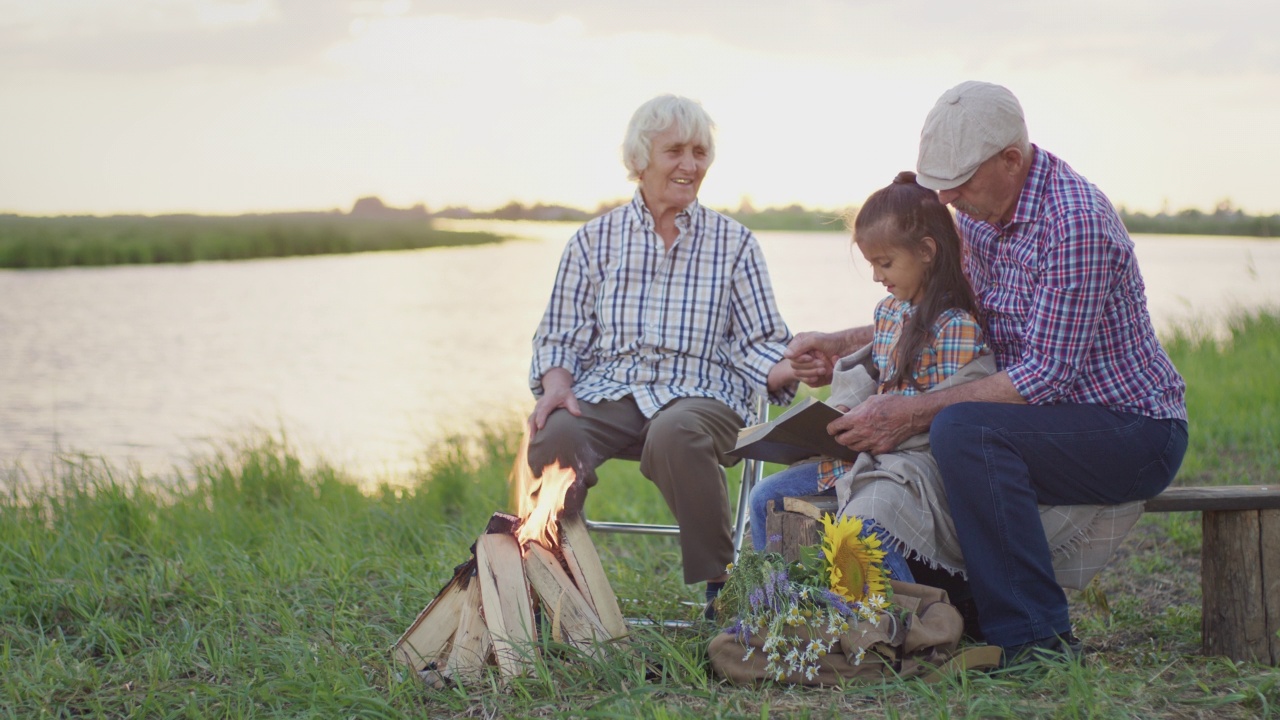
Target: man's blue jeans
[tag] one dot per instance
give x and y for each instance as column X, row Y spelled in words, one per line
column 999, row 461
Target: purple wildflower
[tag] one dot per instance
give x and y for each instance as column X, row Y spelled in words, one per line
column 837, row 602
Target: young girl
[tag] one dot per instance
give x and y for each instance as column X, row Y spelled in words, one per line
column 925, row 331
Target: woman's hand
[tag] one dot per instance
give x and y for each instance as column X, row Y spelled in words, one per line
column 557, row 392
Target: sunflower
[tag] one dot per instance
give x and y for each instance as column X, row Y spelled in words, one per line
column 854, row 562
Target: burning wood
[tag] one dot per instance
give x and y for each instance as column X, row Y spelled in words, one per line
column 486, row 615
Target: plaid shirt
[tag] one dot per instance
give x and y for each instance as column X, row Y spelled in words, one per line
column 1064, row 302
column 628, row 317
column 957, row 340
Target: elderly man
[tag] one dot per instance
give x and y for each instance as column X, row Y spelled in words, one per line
column 660, row 330
column 1087, row 407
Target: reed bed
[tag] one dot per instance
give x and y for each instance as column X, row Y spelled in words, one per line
column 30, row 242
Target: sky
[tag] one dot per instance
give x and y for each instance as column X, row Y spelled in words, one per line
column 223, row 107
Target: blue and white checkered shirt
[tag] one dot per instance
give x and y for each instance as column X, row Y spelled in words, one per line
column 1063, row 300
column 628, row 317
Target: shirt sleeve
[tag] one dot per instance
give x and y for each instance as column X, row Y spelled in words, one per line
column 957, row 343
column 564, row 336
column 758, row 334
column 1067, row 304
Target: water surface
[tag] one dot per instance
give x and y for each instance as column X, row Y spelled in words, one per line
column 368, row 359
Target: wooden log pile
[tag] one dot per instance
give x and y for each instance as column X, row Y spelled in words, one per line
column 484, row 617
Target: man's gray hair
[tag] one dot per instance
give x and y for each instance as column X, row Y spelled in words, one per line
column 655, row 117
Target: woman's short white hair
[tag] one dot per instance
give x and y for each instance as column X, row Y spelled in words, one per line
column 655, row 117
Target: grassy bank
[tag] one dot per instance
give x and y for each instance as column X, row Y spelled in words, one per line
column 254, row 586
column 30, row 242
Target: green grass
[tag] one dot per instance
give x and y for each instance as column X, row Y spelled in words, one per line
column 31, row 242
column 252, row 586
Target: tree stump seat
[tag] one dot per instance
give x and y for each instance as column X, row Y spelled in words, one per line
column 1239, row 568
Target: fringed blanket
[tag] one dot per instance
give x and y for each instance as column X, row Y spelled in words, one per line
column 902, row 491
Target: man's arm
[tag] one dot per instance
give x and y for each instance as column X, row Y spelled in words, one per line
column 882, row 422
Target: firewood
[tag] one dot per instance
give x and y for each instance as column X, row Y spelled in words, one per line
column 577, row 543
column 427, row 639
column 472, row 643
column 508, row 610
column 562, row 600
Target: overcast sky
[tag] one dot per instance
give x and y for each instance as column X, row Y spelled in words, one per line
column 222, row 107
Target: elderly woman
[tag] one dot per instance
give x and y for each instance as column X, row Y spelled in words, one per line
column 660, row 329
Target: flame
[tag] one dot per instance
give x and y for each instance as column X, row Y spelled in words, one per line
column 538, row 501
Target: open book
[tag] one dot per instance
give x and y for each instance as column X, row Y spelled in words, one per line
column 797, row 434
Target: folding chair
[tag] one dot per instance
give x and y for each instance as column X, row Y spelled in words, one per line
column 752, row 473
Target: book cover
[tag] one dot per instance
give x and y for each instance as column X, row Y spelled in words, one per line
column 797, row 434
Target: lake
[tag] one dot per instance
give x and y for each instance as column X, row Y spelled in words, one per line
column 367, row 360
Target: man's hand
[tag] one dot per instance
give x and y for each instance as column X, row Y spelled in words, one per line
column 557, row 392
column 813, row 357
column 878, row 424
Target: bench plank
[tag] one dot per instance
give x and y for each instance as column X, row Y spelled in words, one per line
column 1174, row 499
column 1224, row 497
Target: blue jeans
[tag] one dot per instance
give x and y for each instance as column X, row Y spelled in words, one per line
column 999, row 461
column 800, row 480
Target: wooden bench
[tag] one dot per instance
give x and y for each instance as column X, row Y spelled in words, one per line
column 1239, row 559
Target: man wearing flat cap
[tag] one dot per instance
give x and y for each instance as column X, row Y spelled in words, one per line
column 1087, row 407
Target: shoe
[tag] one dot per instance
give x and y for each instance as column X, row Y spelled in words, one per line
column 969, row 614
column 709, row 612
column 1066, row 647
column 713, row 592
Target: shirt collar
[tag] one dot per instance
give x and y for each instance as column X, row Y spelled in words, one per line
column 642, row 216
column 1032, row 195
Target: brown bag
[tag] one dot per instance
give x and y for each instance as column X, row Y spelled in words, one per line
column 917, row 635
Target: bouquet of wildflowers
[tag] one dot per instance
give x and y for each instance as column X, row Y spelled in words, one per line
column 800, row 609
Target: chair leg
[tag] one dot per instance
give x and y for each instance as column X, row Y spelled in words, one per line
column 752, row 474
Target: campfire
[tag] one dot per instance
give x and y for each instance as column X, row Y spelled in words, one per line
column 540, row 562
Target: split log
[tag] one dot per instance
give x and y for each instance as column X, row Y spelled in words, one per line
column 507, row 607
column 427, row 639
column 472, row 644
column 583, row 560
column 796, row 524
column 568, row 609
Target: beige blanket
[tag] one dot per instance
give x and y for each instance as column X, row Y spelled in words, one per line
column 903, row 492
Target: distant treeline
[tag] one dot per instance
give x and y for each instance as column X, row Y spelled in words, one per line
column 1224, row 220
column 47, row 242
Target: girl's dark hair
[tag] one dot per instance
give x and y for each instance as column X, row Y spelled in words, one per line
column 910, row 213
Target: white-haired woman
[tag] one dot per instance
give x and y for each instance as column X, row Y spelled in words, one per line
column 660, row 329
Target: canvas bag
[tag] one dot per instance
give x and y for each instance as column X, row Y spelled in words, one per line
column 918, row 635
